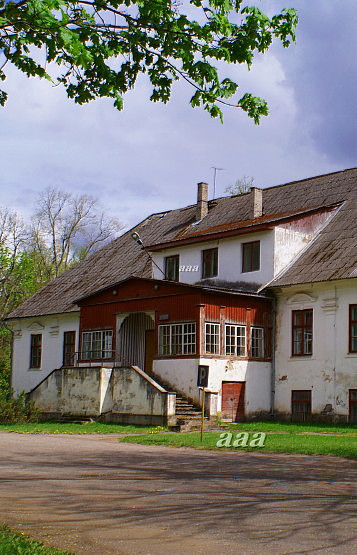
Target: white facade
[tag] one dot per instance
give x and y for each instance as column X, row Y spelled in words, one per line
column 52, row 329
column 229, row 259
column 279, row 246
column 330, row 371
column 182, row 375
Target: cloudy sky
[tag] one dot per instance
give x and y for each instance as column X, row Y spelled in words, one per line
column 149, row 157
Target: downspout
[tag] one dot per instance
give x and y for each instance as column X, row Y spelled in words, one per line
column 334, row 406
column 272, row 376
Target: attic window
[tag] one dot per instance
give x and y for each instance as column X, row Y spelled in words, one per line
column 172, row 267
column 251, row 256
column 209, row 263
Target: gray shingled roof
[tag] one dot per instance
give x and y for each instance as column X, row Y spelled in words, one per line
column 331, row 256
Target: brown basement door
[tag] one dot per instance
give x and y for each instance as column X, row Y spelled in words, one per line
column 233, row 400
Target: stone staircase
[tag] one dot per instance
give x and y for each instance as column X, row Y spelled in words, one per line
column 189, row 417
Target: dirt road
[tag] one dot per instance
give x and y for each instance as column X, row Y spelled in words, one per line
column 91, row 494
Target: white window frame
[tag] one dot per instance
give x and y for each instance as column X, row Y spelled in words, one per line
column 238, row 347
column 180, row 339
column 257, row 351
column 212, row 330
column 100, row 343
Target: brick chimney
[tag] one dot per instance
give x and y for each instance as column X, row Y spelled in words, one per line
column 257, row 202
column 202, row 201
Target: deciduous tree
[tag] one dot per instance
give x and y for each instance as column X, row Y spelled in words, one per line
column 67, row 228
column 241, row 186
column 102, row 46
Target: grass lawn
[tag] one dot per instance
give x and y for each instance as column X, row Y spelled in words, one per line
column 76, row 428
column 293, row 442
column 293, row 427
column 13, row 543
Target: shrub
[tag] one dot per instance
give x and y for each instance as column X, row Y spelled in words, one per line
column 17, row 409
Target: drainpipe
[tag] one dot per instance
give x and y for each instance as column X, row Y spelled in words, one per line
column 334, row 407
column 272, row 377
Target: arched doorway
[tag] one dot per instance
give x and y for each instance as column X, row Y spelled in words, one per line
column 135, row 341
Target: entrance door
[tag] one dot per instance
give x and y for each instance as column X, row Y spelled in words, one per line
column 233, row 400
column 149, row 350
column 353, row 406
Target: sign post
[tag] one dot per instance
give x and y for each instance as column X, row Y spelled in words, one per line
column 202, row 383
column 203, row 413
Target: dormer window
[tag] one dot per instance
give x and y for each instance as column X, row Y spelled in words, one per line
column 251, row 256
column 172, row 267
column 209, row 263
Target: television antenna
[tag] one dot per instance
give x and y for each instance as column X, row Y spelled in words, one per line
column 215, row 177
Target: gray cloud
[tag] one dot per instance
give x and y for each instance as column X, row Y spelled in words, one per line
column 149, row 157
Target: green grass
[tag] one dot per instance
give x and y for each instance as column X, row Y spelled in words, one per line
column 294, row 427
column 341, row 446
column 76, row 428
column 17, row 543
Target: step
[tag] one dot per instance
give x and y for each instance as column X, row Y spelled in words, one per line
column 188, row 409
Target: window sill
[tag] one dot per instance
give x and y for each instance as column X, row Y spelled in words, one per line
column 351, row 355
column 34, row 369
column 302, row 357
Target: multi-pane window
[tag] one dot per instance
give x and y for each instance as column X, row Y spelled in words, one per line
column 209, row 263
column 36, row 350
column 353, row 329
column 212, row 339
column 257, row 342
column 301, row 404
column 302, row 332
column 97, row 344
column 251, row 256
column 172, row 266
column 69, row 347
column 235, row 340
column 177, row 339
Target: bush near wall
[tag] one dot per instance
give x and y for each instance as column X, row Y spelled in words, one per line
column 17, row 409
column 5, row 364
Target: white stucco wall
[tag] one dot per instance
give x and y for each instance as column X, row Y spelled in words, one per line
column 229, row 259
column 52, row 328
column 121, row 394
column 288, row 243
column 182, row 375
column 278, row 248
column 331, row 371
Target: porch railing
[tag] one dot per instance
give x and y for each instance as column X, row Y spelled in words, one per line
column 95, row 357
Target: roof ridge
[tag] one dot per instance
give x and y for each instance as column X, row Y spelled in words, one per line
column 309, row 178
column 263, row 188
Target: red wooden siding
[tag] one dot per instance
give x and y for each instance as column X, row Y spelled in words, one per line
column 174, row 303
column 238, row 309
column 177, row 308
